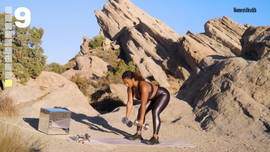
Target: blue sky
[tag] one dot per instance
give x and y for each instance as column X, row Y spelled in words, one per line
column 66, row 22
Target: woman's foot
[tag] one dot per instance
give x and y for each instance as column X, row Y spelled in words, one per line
column 152, row 141
column 136, row 137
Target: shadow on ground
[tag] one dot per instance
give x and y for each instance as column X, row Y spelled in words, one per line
column 32, row 122
column 96, row 123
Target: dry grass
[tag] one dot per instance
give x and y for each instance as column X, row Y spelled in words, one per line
column 71, row 64
column 108, row 56
column 7, row 107
column 175, row 84
column 81, row 82
column 13, row 139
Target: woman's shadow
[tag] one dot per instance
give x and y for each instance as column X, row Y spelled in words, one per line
column 96, row 123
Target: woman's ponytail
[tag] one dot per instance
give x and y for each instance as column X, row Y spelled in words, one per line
column 135, row 75
column 138, row 77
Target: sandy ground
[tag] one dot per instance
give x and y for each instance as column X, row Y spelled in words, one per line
column 110, row 126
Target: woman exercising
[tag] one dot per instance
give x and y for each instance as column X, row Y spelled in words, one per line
column 152, row 97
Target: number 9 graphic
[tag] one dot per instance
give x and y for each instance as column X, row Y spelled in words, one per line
column 26, row 17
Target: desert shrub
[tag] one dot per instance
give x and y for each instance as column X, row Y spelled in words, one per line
column 100, row 83
column 20, row 72
column 71, row 64
column 28, row 59
column 97, row 41
column 7, row 106
column 115, row 76
column 13, row 139
column 108, row 56
column 175, row 84
column 119, row 67
column 55, row 67
column 81, row 82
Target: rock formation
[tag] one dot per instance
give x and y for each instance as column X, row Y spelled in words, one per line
column 88, row 66
column 230, row 95
column 142, row 37
column 85, row 47
column 49, row 90
column 156, row 48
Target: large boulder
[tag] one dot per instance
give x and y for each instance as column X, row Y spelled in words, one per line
column 82, row 63
column 120, row 91
column 87, row 74
column 98, row 66
column 256, row 42
column 106, row 42
column 192, row 51
column 49, row 90
column 142, row 36
column 68, row 96
column 230, row 95
column 89, row 67
column 35, row 89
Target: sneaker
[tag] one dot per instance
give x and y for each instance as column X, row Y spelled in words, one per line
column 135, row 137
column 152, row 141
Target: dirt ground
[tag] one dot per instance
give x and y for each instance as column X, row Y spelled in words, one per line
column 110, row 126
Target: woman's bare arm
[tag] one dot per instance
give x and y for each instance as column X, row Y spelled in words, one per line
column 129, row 102
column 144, row 99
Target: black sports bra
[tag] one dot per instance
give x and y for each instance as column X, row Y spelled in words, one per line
column 150, row 92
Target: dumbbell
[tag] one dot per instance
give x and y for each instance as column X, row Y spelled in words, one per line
column 145, row 126
column 126, row 121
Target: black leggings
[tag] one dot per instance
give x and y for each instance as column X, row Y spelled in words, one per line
column 157, row 105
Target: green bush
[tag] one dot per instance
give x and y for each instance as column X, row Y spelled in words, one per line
column 97, row 41
column 120, row 67
column 27, row 54
column 55, row 67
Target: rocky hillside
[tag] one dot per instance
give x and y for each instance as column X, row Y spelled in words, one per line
column 156, row 49
column 231, row 95
column 224, row 74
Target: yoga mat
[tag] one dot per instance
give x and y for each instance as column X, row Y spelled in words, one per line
column 123, row 141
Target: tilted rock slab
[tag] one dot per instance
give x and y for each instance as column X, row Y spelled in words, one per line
column 221, row 37
column 231, row 95
column 142, row 36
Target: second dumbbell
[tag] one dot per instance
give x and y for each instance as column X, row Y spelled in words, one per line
column 127, row 122
column 145, row 126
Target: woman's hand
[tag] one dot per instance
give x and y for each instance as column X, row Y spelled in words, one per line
column 140, row 124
